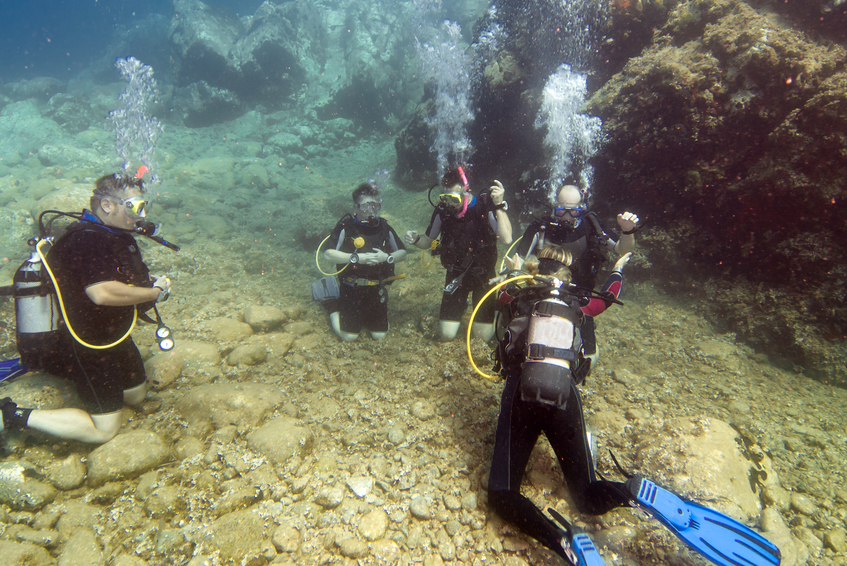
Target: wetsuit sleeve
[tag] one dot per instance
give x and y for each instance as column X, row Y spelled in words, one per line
column 608, row 239
column 394, row 241
column 529, row 240
column 612, row 285
column 434, row 228
column 336, row 238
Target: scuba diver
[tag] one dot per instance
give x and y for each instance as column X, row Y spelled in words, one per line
column 102, row 286
column 469, row 227
column 573, row 227
column 366, row 249
column 542, row 359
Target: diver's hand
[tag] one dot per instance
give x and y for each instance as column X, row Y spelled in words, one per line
column 377, row 257
column 514, row 263
column 627, row 221
column 411, row 238
column 497, row 192
column 622, row 261
column 164, row 284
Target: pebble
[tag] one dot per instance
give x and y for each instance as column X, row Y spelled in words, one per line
column 20, row 490
column 802, row 504
column 423, row 410
column 469, row 502
column 81, row 549
column 836, row 539
column 163, row 369
column 373, row 525
column 263, row 318
column 280, row 439
column 396, row 436
column 807, row 536
column 23, row 554
column 353, row 548
column 420, row 508
column 66, row 474
column 248, row 355
column 330, row 498
column 360, row 485
column 385, row 551
column 452, row 502
column 286, row 539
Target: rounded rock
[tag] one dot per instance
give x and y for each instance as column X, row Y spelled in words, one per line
column 420, row 508
column 373, row 525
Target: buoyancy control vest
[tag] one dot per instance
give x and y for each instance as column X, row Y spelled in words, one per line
column 470, row 239
column 373, row 237
column 585, row 243
column 37, row 312
column 543, row 342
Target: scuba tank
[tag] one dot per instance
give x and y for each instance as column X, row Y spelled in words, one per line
column 36, row 309
column 553, row 345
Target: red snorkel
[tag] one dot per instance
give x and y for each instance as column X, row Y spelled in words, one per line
column 465, row 200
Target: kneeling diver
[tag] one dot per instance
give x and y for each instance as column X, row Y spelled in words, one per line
column 542, row 359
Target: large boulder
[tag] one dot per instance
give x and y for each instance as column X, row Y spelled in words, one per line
column 127, row 455
column 241, row 404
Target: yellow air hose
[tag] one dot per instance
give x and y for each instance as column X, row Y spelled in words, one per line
column 65, row 314
column 359, row 243
column 473, row 315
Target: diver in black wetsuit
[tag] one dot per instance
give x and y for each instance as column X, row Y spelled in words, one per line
column 470, row 227
column 522, row 421
column 542, row 357
column 579, row 232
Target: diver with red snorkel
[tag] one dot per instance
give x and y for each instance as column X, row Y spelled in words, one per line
column 470, row 227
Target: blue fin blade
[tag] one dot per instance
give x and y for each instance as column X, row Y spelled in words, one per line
column 718, row 537
column 10, row 369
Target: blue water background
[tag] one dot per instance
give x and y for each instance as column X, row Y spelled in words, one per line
column 60, row 38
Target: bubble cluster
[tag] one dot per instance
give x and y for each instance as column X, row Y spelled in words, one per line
column 136, row 131
column 448, row 65
column 572, row 138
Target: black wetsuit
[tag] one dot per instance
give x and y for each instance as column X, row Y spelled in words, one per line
column 363, row 298
column 519, row 425
column 91, row 253
column 469, row 254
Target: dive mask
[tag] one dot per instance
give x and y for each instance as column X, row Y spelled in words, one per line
column 569, row 215
column 369, row 211
column 135, row 206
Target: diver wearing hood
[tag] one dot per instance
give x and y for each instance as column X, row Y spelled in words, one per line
column 470, row 227
column 365, row 251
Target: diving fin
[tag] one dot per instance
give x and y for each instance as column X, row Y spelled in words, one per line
column 578, row 546
column 716, row 536
column 10, row 369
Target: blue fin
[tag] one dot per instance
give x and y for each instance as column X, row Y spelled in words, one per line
column 720, row 538
column 578, row 545
column 10, row 369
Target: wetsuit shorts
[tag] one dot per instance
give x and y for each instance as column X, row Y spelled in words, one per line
column 363, row 307
column 100, row 376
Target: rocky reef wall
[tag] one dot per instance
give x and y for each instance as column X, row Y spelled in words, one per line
column 726, row 127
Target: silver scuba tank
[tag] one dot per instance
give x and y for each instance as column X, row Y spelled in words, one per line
column 36, row 310
column 552, row 351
